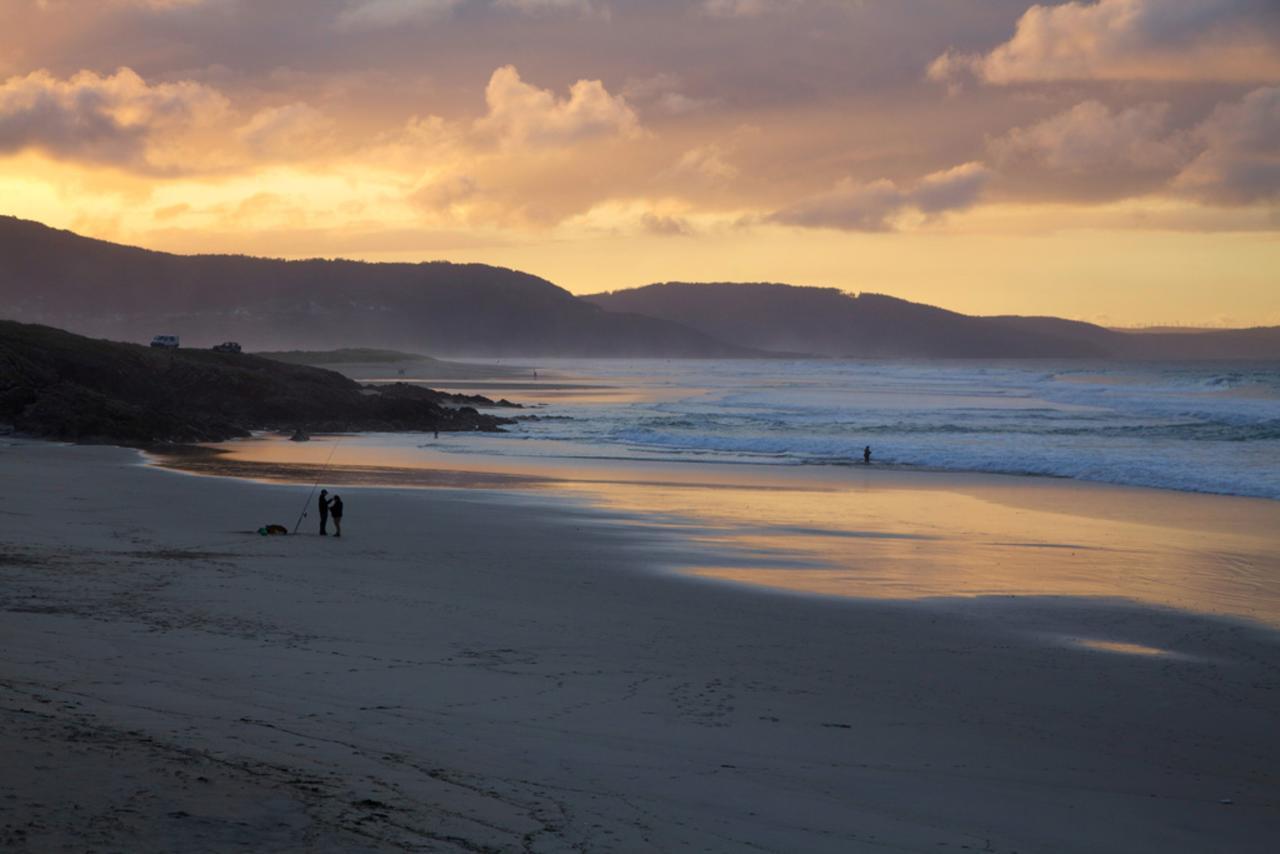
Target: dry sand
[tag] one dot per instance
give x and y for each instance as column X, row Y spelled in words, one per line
column 476, row 670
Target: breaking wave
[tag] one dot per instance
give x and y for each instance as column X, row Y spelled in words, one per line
column 1196, row 427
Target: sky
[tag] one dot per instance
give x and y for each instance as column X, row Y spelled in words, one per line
column 1116, row 161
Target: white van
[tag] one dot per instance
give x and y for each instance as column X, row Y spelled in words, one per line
column 168, row 342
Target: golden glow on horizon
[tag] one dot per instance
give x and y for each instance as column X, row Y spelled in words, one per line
column 1103, row 186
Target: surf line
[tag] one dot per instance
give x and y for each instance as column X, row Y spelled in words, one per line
column 316, row 485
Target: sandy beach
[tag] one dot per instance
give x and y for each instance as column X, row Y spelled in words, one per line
column 505, row 669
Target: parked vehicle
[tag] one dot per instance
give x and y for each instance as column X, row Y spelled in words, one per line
column 167, row 342
column 227, row 347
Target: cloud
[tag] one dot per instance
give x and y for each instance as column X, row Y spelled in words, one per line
column 382, row 14
column 952, row 189
column 442, row 195
column 1240, row 160
column 1230, row 158
column 531, row 160
column 874, row 206
column 110, row 119
column 287, row 131
column 155, row 4
column 664, row 93
column 595, row 116
column 1184, row 40
column 707, row 164
column 665, row 226
column 746, row 8
column 170, row 211
column 1091, row 137
column 533, row 7
column 520, row 114
column 161, row 5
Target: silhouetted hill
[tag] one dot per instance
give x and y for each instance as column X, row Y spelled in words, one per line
column 58, row 385
column 1262, row 342
column 120, row 292
column 107, row 290
column 829, row 322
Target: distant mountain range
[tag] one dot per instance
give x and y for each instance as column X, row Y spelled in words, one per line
column 829, row 322
column 107, row 290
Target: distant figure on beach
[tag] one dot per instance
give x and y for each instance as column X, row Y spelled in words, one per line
column 866, row 455
column 324, row 513
column 335, row 508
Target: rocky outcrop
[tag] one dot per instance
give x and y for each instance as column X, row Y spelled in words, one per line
column 54, row 384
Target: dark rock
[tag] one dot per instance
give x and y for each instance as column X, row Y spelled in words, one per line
column 54, row 384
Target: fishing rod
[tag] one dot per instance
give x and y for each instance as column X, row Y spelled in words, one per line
column 314, row 486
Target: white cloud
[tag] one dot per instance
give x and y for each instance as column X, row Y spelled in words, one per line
column 875, row 206
column 287, row 131
column 108, row 119
column 523, row 115
column 533, row 7
column 664, row 93
column 444, row 193
column 1240, row 160
column 161, row 5
column 1231, row 158
column 1225, row 40
column 951, row 189
column 706, row 163
column 665, row 226
column 747, row 8
column 380, row 14
column 1090, row 137
column 383, row 14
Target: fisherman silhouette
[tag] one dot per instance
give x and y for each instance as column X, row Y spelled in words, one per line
column 866, row 455
column 335, row 508
column 324, row 513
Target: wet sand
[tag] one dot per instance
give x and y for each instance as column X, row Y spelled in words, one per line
column 855, row 531
column 479, row 669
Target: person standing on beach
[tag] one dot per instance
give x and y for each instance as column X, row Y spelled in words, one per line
column 324, row 513
column 866, row 455
column 335, row 508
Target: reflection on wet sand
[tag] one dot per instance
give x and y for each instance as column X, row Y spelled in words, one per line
column 1122, row 647
column 870, row 533
column 909, row 541
column 309, row 465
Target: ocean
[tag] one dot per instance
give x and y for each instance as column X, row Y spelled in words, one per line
column 1204, row 427
column 756, row 468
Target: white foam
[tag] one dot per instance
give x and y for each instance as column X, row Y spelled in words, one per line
column 1208, row 427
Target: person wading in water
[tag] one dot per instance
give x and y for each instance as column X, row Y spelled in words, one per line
column 866, row 455
column 335, row 509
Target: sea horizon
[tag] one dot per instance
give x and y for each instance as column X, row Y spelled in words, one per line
column 1194, row 426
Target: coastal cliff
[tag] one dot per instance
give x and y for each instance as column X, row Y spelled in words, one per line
column 57, row 385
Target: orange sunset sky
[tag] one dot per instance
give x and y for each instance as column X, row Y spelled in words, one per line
column 1115, row 161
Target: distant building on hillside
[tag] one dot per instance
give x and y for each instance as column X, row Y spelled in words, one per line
column 167, row 342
